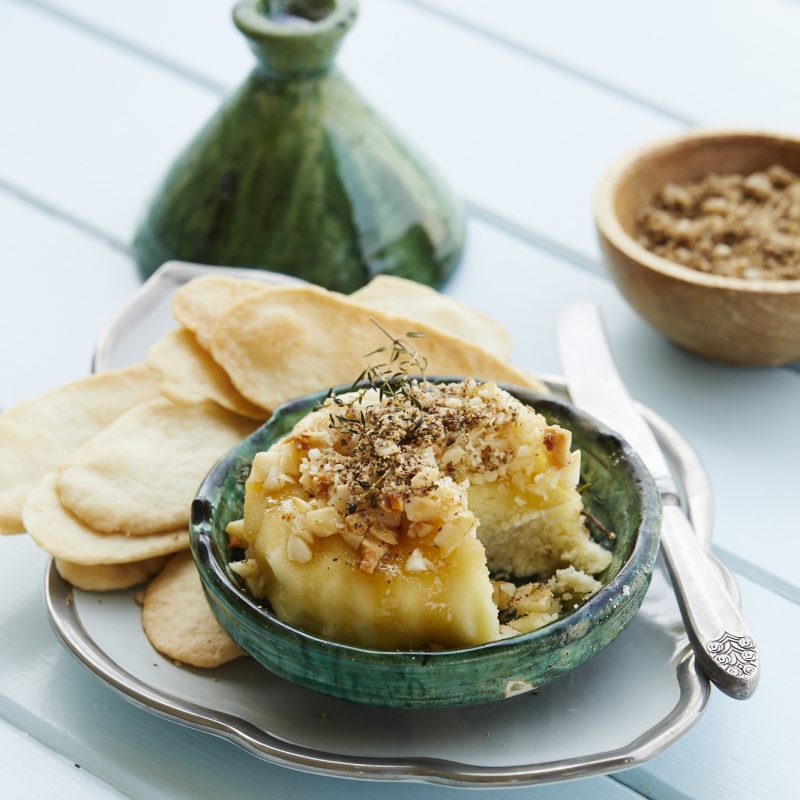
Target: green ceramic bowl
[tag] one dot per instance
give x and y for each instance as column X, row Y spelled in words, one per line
column 621, row 495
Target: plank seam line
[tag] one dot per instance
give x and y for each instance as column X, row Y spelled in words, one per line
column 63, row 216
column 549, row 246
column 538, row 240
column 127, row 45
column 660, row 789
column 758, row 575
column 43, row 742
column 620, row 781
column 550, row 61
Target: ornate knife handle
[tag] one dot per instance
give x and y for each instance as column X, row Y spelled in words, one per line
column 724, row 647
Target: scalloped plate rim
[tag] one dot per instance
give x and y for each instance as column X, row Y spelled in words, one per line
column 693, row 686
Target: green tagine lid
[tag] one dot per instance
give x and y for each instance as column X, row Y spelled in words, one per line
column 296, row 173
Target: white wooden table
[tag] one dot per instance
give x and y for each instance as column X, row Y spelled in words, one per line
column 522, row 105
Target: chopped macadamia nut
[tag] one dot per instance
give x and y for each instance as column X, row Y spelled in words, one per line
column 417, row 562
column 372, row 551
column 558, row 443
column 235, row 530
column 502, row 592
column 323, row 521
column 298, row 550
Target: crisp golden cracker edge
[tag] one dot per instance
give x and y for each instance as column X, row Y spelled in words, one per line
column 227, row 348
column 215, row 384
column 112, row 482
column 33, row 426
column 43, row 514
column 178, row 586
column 384, row 285
column 193, row 315
column 109, row 577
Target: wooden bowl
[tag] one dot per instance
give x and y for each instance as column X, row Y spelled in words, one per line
column 737, row 320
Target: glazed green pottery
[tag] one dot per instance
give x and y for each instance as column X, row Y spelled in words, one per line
column 297, row 174
column 621, row 495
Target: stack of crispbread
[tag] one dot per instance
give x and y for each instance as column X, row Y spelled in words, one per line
column 101, row 472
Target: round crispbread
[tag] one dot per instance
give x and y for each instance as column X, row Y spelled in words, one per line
column 140, row 475
column 108, row 577
column 178, row 621
column 187, row 374
column 64, row 536
column 295, row 340
column 37, row 434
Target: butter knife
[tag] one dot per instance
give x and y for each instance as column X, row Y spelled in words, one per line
column 724, row 646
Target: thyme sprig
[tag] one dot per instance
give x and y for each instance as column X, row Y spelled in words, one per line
column 392, row 378
column 591, row 519
column 370, row 491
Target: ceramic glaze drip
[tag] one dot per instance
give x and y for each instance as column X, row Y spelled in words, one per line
column 297, row 174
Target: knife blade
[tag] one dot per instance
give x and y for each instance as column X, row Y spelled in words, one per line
column 595, row 384
column 724, row 646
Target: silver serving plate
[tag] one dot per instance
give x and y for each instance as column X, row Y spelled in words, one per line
column 620, row 709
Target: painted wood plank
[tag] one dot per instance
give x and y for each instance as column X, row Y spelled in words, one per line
column 59, row 288
column 32, row 771
column 740, row 749
column 44, row 691
column 90, row 129
column 511, row 134
column 719, row 62
column 195, row 40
